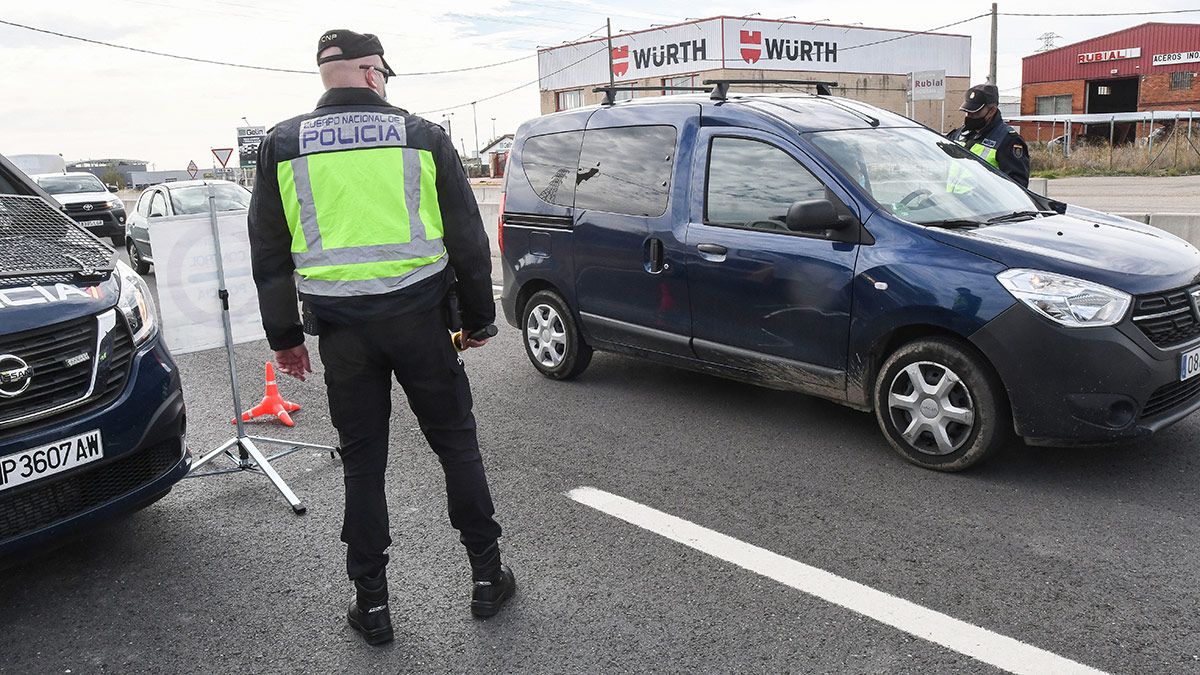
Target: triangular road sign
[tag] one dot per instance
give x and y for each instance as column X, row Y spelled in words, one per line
column 222, row 155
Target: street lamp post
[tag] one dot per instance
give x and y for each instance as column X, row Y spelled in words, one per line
column 493, row 128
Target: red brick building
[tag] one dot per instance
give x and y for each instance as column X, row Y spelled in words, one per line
column 1153, row 66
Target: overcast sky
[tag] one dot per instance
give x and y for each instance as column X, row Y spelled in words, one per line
column 90, row 101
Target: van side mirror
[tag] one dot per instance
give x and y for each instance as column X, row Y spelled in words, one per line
column 113, row 188
column 814, row 215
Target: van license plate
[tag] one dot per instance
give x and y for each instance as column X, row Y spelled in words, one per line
column 1189, row 364
column 31, row 465
column 91, row 223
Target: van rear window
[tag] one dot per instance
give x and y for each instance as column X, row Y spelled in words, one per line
column 626, row 170
column 550, row 162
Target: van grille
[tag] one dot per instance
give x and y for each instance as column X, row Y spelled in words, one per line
column 1168, row 319
column 55, row 383
column 1171, row 396
column 56, row 500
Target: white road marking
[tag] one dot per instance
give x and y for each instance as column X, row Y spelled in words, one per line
column 976, row 642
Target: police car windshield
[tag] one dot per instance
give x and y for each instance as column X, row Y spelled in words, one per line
column 921, row 177
column 229, row 197
column 61, row 185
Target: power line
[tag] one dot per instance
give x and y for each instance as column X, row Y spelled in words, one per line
column 521, row 86
column 908, row 35
column 244, row 65
column 1081, row 14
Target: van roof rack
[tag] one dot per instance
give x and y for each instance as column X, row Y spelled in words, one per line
column 610, row 93
column 721, row 87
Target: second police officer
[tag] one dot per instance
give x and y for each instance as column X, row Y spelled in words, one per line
column 985, row 133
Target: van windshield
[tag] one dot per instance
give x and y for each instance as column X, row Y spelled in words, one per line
column 921, row 177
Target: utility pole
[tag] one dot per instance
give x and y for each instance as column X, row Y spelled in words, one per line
column 611, row 79
column 992, row 62
column 475, row 117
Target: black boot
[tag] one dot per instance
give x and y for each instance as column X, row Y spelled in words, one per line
column 493, row 584
column 369, row 610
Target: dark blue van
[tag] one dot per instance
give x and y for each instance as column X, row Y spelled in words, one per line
column 822, row 245
column 91, row 411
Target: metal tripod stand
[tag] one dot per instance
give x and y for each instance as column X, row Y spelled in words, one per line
column 249, row 457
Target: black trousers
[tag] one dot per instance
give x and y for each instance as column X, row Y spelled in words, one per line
column 360, row 361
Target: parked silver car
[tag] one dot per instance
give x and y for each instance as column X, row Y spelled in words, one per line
column 175, row 199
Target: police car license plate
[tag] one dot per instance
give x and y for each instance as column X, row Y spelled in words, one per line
column 91, row 223
column 1189, row 364
column 26, row 467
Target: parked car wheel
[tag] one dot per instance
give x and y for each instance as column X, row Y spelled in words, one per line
column 135, row 259
column 940, row 405
column 552, row 339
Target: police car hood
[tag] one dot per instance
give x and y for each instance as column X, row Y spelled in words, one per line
column 28, row 303
column 81, row 197
column 1117, row 252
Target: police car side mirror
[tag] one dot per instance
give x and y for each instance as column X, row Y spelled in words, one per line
column 814, row 215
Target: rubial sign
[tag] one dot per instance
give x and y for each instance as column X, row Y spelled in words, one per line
column 1111, row 55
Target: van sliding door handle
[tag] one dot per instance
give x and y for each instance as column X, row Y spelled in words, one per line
column 712, row 249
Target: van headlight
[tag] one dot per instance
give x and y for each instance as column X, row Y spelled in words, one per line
column 136, row 304
column 1068, row 301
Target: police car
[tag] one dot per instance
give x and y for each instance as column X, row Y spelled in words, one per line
column 92, row 417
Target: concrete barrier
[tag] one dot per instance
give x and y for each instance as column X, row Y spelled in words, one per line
column 1186, row 226
column 1040, row 186
column 1140, row 217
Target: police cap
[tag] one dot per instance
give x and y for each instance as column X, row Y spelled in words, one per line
column 979, row 96
column 353, row 46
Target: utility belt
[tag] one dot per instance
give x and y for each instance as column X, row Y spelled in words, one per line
column 452, row 315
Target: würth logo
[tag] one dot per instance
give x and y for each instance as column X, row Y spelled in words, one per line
column 620, row 60
column 751, row 45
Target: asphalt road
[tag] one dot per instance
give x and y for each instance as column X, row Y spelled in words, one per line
column 1089, row 554
column 1130, row 194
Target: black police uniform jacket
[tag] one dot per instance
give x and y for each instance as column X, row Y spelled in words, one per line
column 466, row 242
column 1012, row 153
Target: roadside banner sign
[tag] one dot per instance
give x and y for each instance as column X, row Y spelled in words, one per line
column 929, row 85
column 248, row 140
column 192, row 168
column 222, row 155
column 187, row 281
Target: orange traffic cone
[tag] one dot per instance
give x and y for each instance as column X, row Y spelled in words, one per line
column 272, row 403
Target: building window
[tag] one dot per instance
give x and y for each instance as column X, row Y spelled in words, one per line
column 1182, row 80
column 680, row 81
column 1053, row 105
column 625, row 95
column 570, row 99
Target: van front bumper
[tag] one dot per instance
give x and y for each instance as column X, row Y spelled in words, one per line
column 1085, row 386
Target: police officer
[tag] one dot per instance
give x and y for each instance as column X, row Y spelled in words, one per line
column 985, row 133
column 366, row 208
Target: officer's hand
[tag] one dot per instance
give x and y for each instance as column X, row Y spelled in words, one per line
column 471, row 344
column 294, row 361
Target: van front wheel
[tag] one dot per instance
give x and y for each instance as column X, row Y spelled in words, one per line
column 552, row 339
column 940, row 405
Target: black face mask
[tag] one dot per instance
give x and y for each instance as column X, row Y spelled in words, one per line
column 974, row 123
